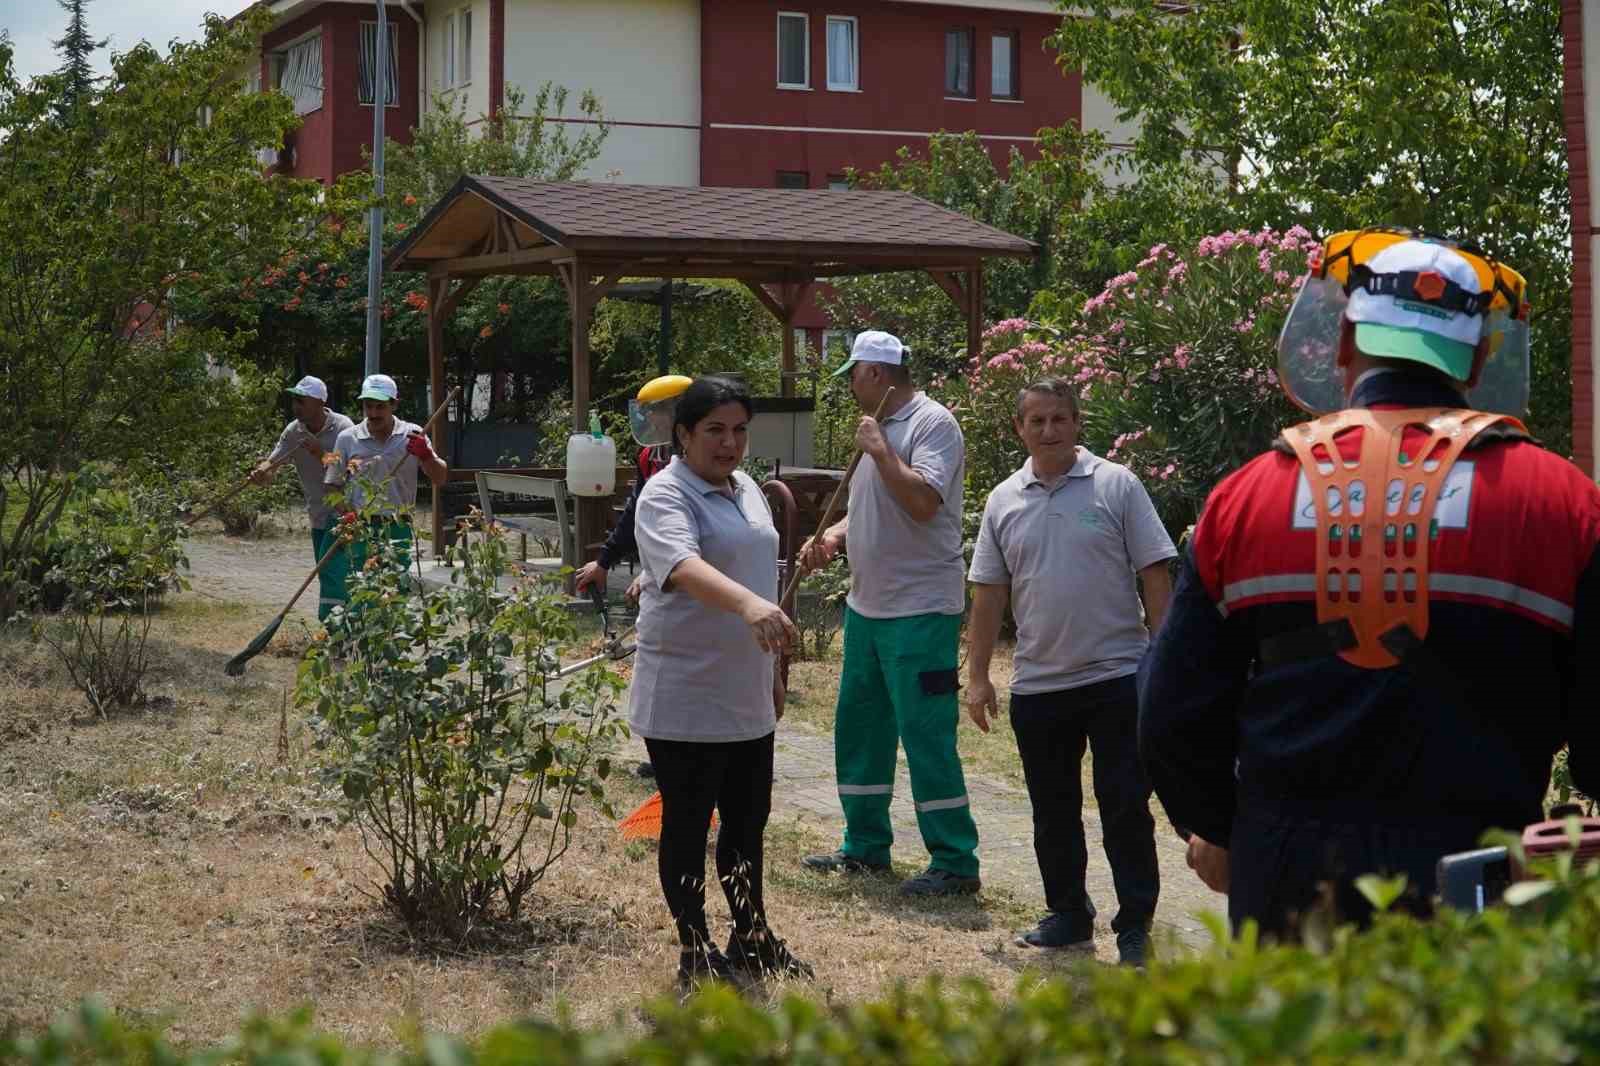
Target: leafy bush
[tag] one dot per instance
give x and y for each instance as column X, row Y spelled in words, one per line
column 112, row 559
column 439, row 719
column 819, row 610
column 1516, row 985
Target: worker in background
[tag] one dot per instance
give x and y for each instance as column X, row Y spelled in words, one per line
column 902, row 626
column 1389, row 623
column 650, row 414
column 306, row 439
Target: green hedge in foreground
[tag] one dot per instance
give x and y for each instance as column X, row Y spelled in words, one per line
column 1517, row 985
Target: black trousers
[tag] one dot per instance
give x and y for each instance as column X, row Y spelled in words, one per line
column 736, row 780
column 1052, row 731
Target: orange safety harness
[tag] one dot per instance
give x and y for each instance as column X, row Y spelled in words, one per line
column 1372, row 561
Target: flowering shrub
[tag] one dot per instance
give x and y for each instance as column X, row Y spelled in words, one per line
column 1174, row 362
column 1179, row 362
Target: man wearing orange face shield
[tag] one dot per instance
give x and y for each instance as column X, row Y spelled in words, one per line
column 1388, row 624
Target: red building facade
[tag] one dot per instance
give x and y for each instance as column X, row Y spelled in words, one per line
column 335, row 133
column 916, row 69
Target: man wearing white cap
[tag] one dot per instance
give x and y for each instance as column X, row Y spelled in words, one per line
column 388, row 452
column 902, row 533
column 1389, row 623
column 307, row 439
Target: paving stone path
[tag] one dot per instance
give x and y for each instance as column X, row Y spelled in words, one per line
column 266, row 572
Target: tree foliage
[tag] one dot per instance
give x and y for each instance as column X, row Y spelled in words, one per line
column 108, row 222
column 1443, row 115
column 76, row 46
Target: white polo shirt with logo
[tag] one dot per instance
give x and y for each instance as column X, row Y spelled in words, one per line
column 385, row 462
column 308, row 466
column 900, row 567
column 1070, row 552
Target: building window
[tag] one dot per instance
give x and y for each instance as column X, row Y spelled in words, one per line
column 369, row 62
column 958, row 63
column 298, row 71
column 843, row 54
column 464, row 46
column 794, row 179
column 448, row 68
column 838, row 182
column 794, row 51
column 1003, row 83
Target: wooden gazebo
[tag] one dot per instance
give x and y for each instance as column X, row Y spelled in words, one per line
column 778, row 242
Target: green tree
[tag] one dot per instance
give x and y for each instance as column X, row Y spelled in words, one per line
column 76, row 46
column 1443, row 115
column 107, row 221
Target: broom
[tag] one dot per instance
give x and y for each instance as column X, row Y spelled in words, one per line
column 235, row 665
column 833, row 502
column 646, row 821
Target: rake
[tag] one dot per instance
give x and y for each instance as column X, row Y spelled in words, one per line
column 235, row 666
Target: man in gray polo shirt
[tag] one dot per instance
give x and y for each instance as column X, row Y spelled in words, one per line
column 307, row 439
column 902, row 626
column 1063, row 539
column 387, row 452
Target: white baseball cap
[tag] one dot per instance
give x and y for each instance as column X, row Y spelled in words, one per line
column 875, row 346
column 1424, row 322
column 379, row 387
column 309, row 386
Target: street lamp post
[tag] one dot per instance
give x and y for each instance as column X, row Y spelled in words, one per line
column 380, row 100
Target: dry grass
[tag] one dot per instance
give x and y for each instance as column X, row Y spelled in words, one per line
column 170, row 862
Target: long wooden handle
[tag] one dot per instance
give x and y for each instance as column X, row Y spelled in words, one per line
column 833, row 502
column 231, row 493
column 322, row 562
column 437, row 411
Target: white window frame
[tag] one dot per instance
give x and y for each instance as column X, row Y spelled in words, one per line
column 447, row 68
column 464, row 46
column 394, row 63
column 805, row 22
column 855, row 54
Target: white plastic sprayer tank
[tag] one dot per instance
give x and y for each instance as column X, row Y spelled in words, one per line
column 591, row 462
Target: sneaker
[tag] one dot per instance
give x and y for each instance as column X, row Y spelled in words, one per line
column 936, row 882
column 706, row 963
column 1133, row 946
column 839, row 862
column 763, row 955
column 1057, row 931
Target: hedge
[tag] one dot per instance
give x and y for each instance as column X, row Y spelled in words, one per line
column 1516, row 985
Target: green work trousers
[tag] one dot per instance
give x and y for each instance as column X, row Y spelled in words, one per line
column 331, row 582
column 899, row 687
column 335, row 588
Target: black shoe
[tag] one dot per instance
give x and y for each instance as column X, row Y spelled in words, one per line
column 839, row 862
column 644, row 769
column 1133, row 946
column 1057, row 931
column 763, row 955
column 936, row 882
column 705, row 963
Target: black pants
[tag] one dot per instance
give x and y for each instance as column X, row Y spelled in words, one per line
column 736, row 780
column 1052, row 730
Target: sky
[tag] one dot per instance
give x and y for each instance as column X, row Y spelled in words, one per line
column 33, row 24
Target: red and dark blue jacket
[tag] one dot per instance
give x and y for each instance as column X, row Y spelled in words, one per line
column 1428, row 753
column 622, row 544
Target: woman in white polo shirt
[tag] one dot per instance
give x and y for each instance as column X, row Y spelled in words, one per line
column 705, row 694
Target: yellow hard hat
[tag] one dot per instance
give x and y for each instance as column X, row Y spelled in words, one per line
column 663, row 388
